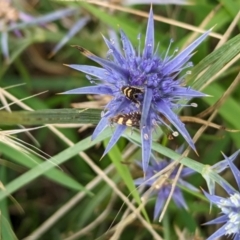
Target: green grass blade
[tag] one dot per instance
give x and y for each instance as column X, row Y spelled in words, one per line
column 116, row 157
column 30, row 161
column 44, row 167
column 50, row 116
column 215, row 61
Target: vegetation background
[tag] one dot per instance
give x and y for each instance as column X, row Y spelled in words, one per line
column 53, row 183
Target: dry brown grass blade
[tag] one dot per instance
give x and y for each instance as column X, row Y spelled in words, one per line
column 103, row 215
column 7, row 137
column 204, row 122
column 18, row 206
column 174, row 183
column 204, row 127
column 186, row 235
column 158, row 18
column 66, row 207
column 227, row 66
column 44, row 65
column 221, row 42
column 202, row 26
column 228, row 32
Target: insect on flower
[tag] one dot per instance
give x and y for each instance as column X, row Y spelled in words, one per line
column 143, row 77
column 132, row 93
column 131, row 119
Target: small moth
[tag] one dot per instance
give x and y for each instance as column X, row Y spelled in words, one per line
column 131, row 119
column 132, row 92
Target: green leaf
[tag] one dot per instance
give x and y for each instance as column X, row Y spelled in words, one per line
column 215, row 61
column 114, row 21
column 21, row 46
column 228, row 110
column 49, row 116
column 44, row 167
column 6, row 231
column 231, row 6
column 31, row 161
column 116, row 157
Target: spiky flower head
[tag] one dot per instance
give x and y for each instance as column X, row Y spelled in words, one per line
column 217, row 168
column 230, row 207
column 162, row 191
column 155, row 78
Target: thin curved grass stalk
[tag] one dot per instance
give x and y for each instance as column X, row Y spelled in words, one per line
column 157, row 18
column 72, row 202
column 20, row 145
column 96, row 222
column 206, row 123
column 224, row 97
column 15, row 202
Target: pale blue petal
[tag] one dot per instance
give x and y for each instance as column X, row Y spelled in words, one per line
column 72, row 32
column 172, row 64
column 144, row 181
column 149, row 40
column 146, row 106
column 100, row 73
column 44, row 19
column 233, row 156
column 235, row 171
column 146, row 137
column 103, row 123
column 180, row 149
column 178, row 199
column 178, row 67
column 159, row 205
column 173, row 118
column 221, row 219
column 127, row 46
column 115, row 53
column 222, row 165
column 213, row 198
column 139, row 181
column 25, row 17
column 237, row 236
column 4, row 45
column 110, row 66
column 187, row 172
column 187, row 185
column 188, row 92
column 220, row 232
column 116, row 135
column 228, row 188
column 99, row 89
column 114, row 37
column 176, row 2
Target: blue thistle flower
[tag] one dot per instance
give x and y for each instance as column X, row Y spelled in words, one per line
column 13, row 20
column 230, row 207
column 162, row 193
column 145, row 70
column 217, row 168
